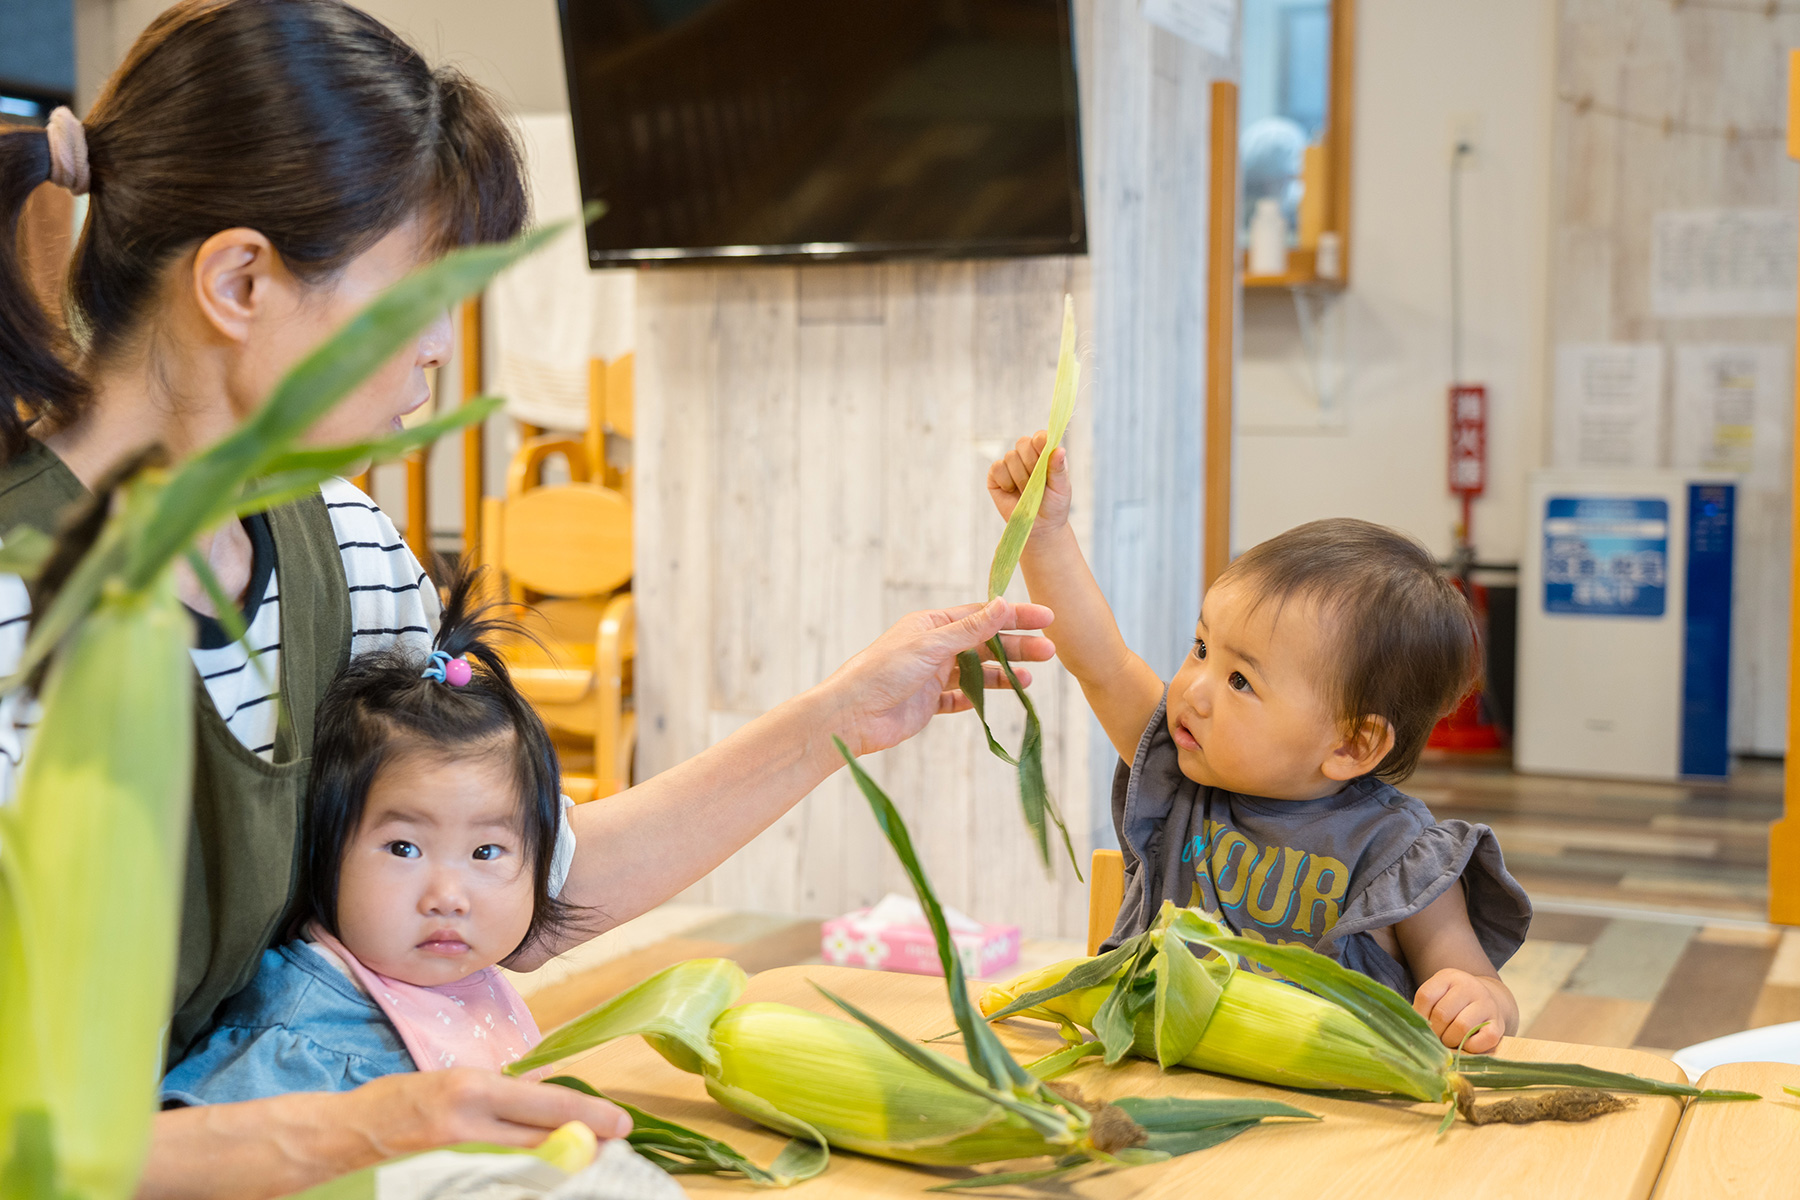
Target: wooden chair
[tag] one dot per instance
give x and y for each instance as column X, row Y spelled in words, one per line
column 1106, row 892
column 565, row 551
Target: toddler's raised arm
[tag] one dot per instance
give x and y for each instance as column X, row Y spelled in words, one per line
column 1120, row 687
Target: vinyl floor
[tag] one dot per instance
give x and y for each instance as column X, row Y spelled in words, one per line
column 1649, row 929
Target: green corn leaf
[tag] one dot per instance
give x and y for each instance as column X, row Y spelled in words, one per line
column 1059, row 1062
column 973, row 682
column 1378, row 1007
column 1091, row 973
column 1791, row 1091
column 802, row 1158
column 987, row 1056
column 1485, row 1071
column 1062, row 407
column 1178, row 1126
column 1062, row 1166
column 1186, row 994
column 1034, row 796
column 673, row 1010
column 683, row 1151
column 1115, row 1022
column 300, row 472
column 1177, row 1114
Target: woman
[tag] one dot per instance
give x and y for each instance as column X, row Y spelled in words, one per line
column 259, row 170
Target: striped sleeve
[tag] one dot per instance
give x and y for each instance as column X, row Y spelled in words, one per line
column 18, row 712
column 392, row 602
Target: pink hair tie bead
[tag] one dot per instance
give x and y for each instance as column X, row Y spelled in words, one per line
column 458, row 672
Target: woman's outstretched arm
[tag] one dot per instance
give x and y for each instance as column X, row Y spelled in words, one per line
column 642, row 846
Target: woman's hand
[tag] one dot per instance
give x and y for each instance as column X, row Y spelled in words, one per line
column 265, row 1148
column 1007, row 477
column 906, row 676
column 1465, row 1010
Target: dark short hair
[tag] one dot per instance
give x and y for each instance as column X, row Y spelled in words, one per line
column 381, row 706
column 1403, row 637
column 307, row 120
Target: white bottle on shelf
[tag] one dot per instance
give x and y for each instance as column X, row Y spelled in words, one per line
column 1268, row 238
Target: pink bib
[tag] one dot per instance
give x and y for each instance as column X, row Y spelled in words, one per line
column 480, row 1021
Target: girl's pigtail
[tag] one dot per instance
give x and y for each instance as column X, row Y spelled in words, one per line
column 36, row 378
column 471, row 627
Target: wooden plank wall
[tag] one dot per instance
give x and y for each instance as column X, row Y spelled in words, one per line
column 810, row 458
column 1706, row 68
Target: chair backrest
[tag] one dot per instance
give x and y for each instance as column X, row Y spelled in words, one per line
column 570, row 540
column 1106, row 893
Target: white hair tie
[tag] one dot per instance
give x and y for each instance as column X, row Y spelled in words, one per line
column 68, row 151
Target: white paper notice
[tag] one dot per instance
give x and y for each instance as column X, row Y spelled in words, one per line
column 1208, row 24
column 1723, row 262
column 1609, row 405
column 1731, row 410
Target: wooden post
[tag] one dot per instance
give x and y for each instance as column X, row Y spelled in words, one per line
column 1784, row 835
column 473, row 438
column 418, row 507
column 1221, row 329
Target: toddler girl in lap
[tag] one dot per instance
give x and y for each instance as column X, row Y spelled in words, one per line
column 430, row 854
column 1259, row 782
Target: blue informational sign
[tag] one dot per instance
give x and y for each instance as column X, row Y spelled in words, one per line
column 1706, row 638
column 1606, row 556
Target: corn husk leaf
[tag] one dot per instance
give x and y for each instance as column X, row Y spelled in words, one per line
column 1091, row 973
column 673, row 1010
column 1034, row 795
column 1062, row 407
column 987, row 1056
column 1187, row 991
column 1485, row 1071
column 683, row 1151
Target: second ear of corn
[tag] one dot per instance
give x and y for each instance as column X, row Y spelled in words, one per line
column 1260, row 1029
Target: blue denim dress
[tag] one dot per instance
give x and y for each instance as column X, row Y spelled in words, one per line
column 301, row 1026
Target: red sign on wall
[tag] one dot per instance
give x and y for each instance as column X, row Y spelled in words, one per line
column 1468, row 439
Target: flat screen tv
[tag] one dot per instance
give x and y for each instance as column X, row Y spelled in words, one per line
column 824, row 129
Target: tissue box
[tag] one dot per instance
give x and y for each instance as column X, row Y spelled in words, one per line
column 893, row 936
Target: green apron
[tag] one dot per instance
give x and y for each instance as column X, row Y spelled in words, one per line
column 244, row 836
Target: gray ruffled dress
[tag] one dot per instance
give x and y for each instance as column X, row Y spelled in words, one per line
column 1321, row 873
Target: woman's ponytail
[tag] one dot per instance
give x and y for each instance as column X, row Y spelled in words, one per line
column 37, row 377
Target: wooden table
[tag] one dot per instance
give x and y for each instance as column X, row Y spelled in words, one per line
column 1744, row 1150
column 1360, row 1149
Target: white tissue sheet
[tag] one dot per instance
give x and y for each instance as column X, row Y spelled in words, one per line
column 617, row 1173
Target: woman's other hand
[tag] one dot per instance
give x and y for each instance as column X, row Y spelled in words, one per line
column 1007, row 477
column 266, row 1148
column 908, row 675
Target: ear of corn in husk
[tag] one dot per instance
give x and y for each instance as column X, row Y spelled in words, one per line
column 93, row 842
column 1344, row 1032
column 867, row 1088
column 1034, row 793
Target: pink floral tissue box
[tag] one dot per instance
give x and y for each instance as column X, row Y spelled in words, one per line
column 892, row 936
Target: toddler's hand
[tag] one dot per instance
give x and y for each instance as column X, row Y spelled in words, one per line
column 1006, row 480
column 1455, row 1002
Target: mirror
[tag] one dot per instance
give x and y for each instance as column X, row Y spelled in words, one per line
column 1294, row 141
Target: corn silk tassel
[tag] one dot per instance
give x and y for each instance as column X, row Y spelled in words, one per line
column 92, row 845
column 1034, row 793
column 1153, row 998
column 865, row 1087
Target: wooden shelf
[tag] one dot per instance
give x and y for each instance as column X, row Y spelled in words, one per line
column 1300, row 273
